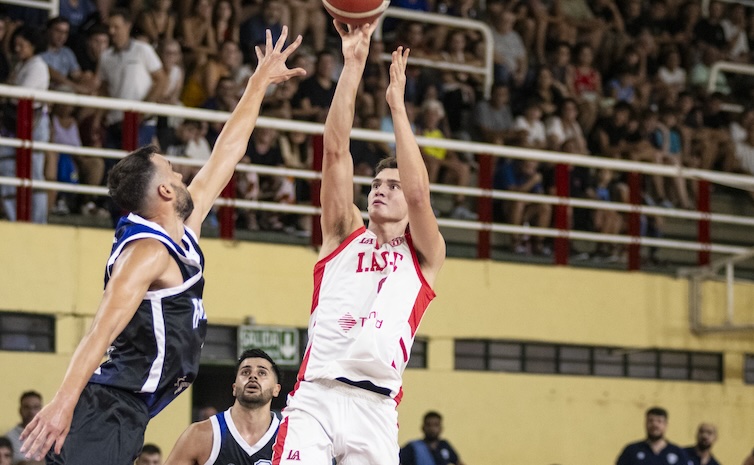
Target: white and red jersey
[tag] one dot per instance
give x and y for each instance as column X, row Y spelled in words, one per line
column 368, row 301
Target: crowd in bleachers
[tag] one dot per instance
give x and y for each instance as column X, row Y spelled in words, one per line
column 614, row 79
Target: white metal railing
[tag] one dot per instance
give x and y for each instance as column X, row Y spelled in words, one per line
column 729, row 67
column 52, row 6
column 451, row 21
column 511, row 152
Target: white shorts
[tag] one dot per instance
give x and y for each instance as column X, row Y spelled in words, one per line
column 327, row 420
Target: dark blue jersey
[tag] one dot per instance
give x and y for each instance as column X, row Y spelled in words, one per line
column 156, row 356
column 229, row 448
column 639, row 453
column 696, row 460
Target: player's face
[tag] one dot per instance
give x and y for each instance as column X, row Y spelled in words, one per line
column 184, row 204
column 386, row 200
column 256, row 383
column 706, row 436
column 656, row 426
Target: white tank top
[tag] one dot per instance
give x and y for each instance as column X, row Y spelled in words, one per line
column 367, row 303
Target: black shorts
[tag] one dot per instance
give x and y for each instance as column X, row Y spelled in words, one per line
column 107, row 429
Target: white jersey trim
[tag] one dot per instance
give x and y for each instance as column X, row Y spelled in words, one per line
column 155, row 371
column 251, row 450
column 216, row 441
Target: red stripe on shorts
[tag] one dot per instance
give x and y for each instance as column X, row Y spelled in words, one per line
column 277, row 449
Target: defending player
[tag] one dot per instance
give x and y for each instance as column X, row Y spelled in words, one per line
column 150, row 321
column 243, row 434
column 371, row 287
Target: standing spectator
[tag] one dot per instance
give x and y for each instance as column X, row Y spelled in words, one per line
column 150, row 455
column 431, row 450
column 31, row 72
column 158, row 22
column 511, row 62
column 64, row 68
column 315, row 93
column 130, row 70
column 6, row 451
column 29, row 405
column 701, row 453
column 655, row 448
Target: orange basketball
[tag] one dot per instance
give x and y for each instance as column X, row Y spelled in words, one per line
column 356, row 12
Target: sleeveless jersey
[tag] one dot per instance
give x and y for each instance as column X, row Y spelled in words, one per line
column 368, row 302
column 156, row 356
column 229, row 448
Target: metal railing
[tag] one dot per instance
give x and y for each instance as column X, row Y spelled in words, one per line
column 484, row 192
column 52, row 6
column 729, row 67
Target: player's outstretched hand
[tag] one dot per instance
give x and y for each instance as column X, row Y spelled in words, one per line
column 271, row 63
column 396, row 90
column 49, row 427
column 355, row 40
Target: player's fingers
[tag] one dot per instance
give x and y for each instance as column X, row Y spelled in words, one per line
column 34, row 443
column 259, row 53
column 28, row 430
column 339, row 27
column 292, row 48
column 267, row 42
column 42, row 451
column 281, row 40
column 59, row 442
column 405, row 58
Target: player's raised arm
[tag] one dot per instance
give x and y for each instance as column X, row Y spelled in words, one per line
column 414, row 179
column 234, row 138
column 137, row 268
column 194, row 446
column 339, row 216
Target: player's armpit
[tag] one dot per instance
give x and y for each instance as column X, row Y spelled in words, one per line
column 194, row 446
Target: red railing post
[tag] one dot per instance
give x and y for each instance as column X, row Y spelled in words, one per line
column 24, row 129
column 704, row 236
column 130, row 131
column 319, row 151
column 634, row 222
column 484, row 205
column 563, row 191
column 227, row 213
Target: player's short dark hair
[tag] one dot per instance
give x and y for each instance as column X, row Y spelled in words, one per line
column 27, row 394
column 658, row 412
column 150, row 449
column 5, row 443
column 386, row 163
column 259, row 353
column 129, row 179
column 432, row 414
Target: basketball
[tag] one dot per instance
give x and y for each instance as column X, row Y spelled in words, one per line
column 355, row 12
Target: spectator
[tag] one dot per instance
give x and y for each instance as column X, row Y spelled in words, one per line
column 158, row 22
column 511, row 61
column 709, row 31
column 76, row 12
column 734, row 26
column 578, row 15
column 560, row 66
column 31, row 72
column 5, row 25
column 700, row 73
column 198, row 35
column 667, row 137
column 252, row 31
column 150, row 455
column 744, row 152
column 65, row 131
column 548, row 91
column 203, row 81
column 701, row 453
column 655, row 447
column 308, row 16
column 658, row 22
column 607, row 221
column 715, row 141
column 531, row 123
column 565, row 127
column 225, row 99
column 586, row 86
column 64, row 68
column 130, row 70
column 431, row 450
column 172, row 63
column 225, row 22
column 444, row 165
column 312, row 100
column 671, row 77
column 494, row 120
column 738, row 127
column 29, row 405
column 524, row 176
column 6, row 451
column 205, row 413
column 88, row 55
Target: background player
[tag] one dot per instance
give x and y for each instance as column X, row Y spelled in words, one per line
column 243, row 434
column 371, row 287
column 151, row 310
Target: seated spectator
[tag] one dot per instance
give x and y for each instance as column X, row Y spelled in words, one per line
column 150, row 455
column 158, row 22
column 622, row 88
column 548, row 91
column 738, row 127
column 531, row 123
column 578, row 15
column 172, row 62
column 659, row 23
column 197, row 35
column 716, row 145
column 225, row 99
column 203, row 81
column 88, row 55
column 565, row 127
column 586, row 86
column 65, row 130
column 607, row 221
column 494, row 120
column 6, row 451
column 431, row 449
column 734, row 26
column 524, row 176
column 315, row 93
column 709, row 32
column 65, row 71
column 225, row 22
column 413, row 35
column 76, row 12
column 613, row 38
column 443, row 165
column 667, row 137
column 252, row 31
column 671, row 77
column 30, row 404
column 561, row 67
column 188, row 141
column 744, row 152
column 511, row 61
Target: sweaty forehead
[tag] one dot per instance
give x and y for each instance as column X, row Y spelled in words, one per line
column 388, row 174
column 256, row 362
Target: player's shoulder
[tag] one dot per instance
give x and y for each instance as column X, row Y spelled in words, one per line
column 200, row 431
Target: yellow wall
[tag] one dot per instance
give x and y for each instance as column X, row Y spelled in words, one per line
column 491, row 418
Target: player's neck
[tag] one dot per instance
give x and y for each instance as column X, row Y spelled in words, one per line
column 170, row 222
column 387, row 231
column 251, row 422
